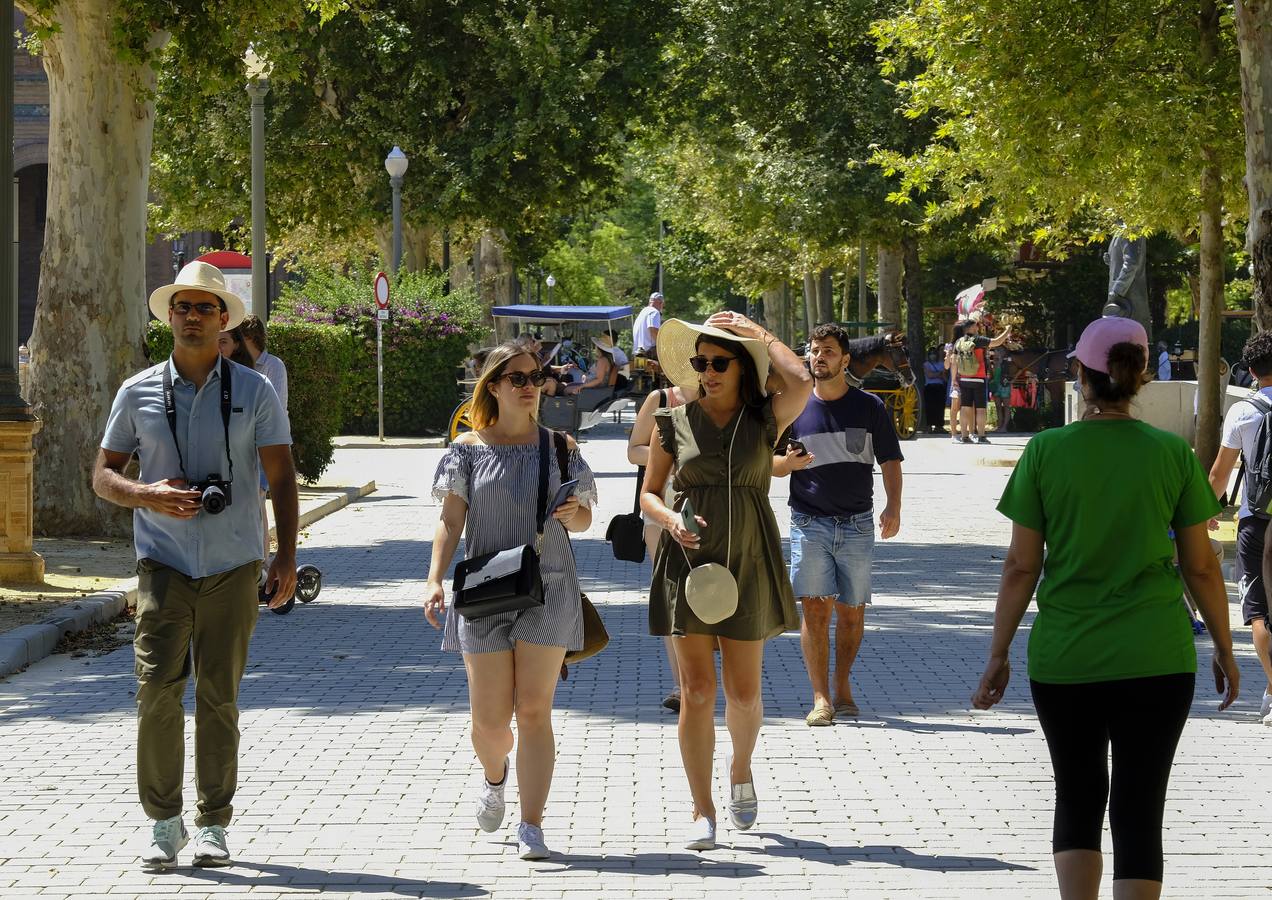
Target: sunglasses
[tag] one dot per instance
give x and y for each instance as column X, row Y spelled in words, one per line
column 719, row 363
column 182, row 308
column 521, row 379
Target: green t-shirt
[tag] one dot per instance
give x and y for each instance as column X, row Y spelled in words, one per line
column 1104, row 494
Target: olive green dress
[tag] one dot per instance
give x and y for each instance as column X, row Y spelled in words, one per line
column 766, row 605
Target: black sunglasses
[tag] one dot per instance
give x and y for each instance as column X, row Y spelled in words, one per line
column 182, row 308
column 719, row 363
column 521, row 379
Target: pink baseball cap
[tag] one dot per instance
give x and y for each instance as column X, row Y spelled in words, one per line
column 1101, row 335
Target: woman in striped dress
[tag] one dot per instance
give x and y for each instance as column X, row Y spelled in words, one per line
column 489, row 481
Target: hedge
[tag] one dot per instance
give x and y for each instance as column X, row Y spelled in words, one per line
column 425, row 341
column 317, row 357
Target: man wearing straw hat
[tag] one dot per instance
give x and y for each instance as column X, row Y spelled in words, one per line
column 203, row 429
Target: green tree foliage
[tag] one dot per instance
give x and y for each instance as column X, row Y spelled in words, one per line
column 767, row 132
column 1050, row 112
column 511, row 115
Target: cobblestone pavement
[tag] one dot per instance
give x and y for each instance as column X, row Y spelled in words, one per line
column 357, row 773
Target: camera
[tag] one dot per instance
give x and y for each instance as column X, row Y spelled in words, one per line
column 215, row 493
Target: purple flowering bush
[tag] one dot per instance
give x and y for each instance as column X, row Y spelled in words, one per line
column 425, row 340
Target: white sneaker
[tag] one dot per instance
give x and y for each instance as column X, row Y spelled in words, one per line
column 530, row 843
column 744, row 806
column 1267, row 720
column 167, row 839
column 490, row 803
column 1266, row 706
column 702, row 834
column 210, row 847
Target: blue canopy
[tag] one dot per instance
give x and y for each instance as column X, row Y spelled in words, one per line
column 546, row 315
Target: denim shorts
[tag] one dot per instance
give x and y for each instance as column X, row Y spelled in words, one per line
column 831, row 556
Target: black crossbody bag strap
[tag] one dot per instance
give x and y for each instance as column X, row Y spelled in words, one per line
column 170, row 410
column 543, row 481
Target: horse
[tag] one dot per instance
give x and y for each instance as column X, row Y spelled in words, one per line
column 881, row 351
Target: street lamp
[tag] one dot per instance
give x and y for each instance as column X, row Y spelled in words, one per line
column 257, row 69
column 551, row 283
column 395, row 164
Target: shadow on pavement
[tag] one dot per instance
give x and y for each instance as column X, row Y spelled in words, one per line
column 888, row 855
column 657, row 864
column 294, row 878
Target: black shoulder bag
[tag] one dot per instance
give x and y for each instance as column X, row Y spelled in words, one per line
column 506, row 580
column 626, row 532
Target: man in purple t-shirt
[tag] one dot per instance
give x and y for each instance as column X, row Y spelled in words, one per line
column 844, row 432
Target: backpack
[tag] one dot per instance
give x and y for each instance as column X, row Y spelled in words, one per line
column 1258, row 486
column 968, row 363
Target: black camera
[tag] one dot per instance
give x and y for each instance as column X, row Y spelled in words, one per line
column 215, row 493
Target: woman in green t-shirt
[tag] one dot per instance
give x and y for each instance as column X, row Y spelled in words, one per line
column 1111, row 655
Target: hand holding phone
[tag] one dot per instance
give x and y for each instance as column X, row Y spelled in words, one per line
column 564, row 492
column 797, row 446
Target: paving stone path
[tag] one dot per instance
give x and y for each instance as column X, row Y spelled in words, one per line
column 357, row 772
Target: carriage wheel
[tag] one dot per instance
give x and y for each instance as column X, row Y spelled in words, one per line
column 460, row 420
column 904, row 405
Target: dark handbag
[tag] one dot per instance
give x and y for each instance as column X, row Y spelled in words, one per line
column 626, row 532
column 595, row 636
column 506, row 580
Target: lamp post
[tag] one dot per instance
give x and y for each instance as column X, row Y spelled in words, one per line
column 395, row 164
column 257, row 70
column 551, row 283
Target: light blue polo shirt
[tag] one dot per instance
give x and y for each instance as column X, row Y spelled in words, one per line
column 207, row 544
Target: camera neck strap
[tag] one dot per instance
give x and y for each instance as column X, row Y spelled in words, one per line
column 170, row 410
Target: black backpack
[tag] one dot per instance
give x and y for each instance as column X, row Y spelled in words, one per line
column 1258, row 471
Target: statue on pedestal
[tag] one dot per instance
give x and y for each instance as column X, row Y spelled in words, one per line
column 1128, row 279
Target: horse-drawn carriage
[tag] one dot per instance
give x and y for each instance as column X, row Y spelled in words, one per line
column 561, row 329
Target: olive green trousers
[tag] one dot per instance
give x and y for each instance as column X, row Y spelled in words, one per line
column 184, row 625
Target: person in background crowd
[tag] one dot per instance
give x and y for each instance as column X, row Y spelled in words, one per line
column 1112, row 659
column 999, row 387
column 1240, row 432
column 487, row 483
column 1163, row 362
column 638, row 454
column 605, row 371
column 230, row 343
column 645, row 328
column 954, row 401
column 971, row 378
column 721, row 445
column 934, row 392
column 253, row 331
column 844, row 432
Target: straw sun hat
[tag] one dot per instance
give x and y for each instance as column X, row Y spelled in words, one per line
column 676, row 341
column 199, row 276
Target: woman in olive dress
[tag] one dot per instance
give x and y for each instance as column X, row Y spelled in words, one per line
column 721, row 446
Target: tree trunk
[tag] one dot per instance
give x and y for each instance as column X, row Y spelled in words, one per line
column 890, row 267
column 1210, row 300
column 91, row 306
column 826, row 296
column 915, row 338
column 1254, row 39
column 810, row 304
column 776, row 316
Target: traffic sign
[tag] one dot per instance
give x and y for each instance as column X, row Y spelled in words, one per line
column 382, row 314
column 382, row 292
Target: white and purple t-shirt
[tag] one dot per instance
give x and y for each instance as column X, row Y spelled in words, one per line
column 847, row 436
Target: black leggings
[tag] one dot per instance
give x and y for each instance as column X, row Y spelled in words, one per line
column 1142, row 718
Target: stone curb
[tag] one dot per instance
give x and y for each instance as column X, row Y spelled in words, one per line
column 29, row 644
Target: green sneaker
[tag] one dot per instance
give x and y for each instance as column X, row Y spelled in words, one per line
column 210, row 848
column 167, row 839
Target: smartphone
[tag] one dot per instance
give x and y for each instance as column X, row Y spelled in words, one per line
column 687, row 518
column 800, row 449
column 564, row 492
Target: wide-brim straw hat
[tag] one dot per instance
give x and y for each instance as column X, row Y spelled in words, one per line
column 676, row 340
column 199, row 276
column 603, row 342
